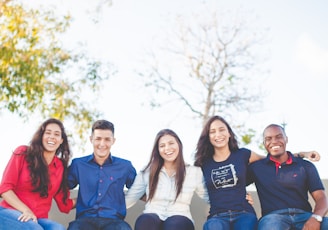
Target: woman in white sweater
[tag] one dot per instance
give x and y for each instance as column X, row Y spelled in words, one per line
column 169, row 184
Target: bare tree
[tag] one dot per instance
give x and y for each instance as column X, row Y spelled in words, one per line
column 209, row 66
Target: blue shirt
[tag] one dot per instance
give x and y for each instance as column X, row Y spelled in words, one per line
column 286, row 185
column 226, row 183
column 101, row 187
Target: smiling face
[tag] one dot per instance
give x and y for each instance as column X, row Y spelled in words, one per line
column 102, row 141
column 219, row 134
column 168, row 148
column 275, row 141
column 52, row 138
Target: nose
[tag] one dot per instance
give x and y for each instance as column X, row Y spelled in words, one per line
column 101, row 142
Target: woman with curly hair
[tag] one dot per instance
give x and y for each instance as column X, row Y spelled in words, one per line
column 35, row 175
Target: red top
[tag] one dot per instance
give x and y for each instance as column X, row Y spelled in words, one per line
column 16, row 177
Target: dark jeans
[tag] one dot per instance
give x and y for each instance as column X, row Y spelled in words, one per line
column 151, row 221
column 290, row 218
column 234, row 220
column 98, row 223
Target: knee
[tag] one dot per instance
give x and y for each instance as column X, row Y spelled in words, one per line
column 73, row 225
column 147, row 221
column 271, row 221
column 178, row 222
column 212, row 224
column 148, row 217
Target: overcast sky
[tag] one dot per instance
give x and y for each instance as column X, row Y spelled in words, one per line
column 296, row 85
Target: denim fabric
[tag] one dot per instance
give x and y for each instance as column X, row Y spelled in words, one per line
column 9, row 220
column 98, row 223
column 234, row 220
column 285, row 219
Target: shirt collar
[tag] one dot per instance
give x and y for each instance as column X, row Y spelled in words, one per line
column 55, row 162
column 289, row 161
column 109, row 160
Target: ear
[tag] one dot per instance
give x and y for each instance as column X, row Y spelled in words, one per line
column 286, row 139
column 90, row 139
column 114, row 139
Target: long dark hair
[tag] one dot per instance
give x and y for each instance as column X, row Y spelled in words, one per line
column 156, row 163
column 205, row 149
column 37, row 164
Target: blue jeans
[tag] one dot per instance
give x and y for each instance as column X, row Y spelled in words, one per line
column 285, row 219
column 98, row 223
column 236, row 220
column 9, row 220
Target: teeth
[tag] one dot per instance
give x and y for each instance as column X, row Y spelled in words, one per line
column 52, row 143
column 219, row 140
column 275, row 147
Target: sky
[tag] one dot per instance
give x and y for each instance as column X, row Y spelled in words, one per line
column 295, row 86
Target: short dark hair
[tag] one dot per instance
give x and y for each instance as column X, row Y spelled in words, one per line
column 102, row 124
column 275, row 125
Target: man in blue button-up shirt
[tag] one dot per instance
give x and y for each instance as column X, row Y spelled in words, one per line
column 101, row 178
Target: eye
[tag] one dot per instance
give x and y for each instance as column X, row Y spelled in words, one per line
column 267, row 139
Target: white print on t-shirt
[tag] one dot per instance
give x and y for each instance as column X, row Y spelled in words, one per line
column 224, row 176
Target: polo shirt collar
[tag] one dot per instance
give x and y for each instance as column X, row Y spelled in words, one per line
column 290, row 160
column 271, row 160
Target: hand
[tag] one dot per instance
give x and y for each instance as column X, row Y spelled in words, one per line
column 311, row 224
column 249, row 198
column 27, row 215
column 312, row 155
column 74, row 202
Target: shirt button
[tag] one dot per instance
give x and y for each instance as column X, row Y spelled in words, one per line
column 99, row 194
column 100, row 181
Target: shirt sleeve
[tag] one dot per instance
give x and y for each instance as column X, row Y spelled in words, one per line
column 137, row 190
column 11, row 173
column 63, row 207
column 201, row 189
column 72, row 175
column 131, row 176
column 314, row 180
column 250, row 174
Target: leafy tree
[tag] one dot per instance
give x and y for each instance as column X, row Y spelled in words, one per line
column 38, row 75
column 211, row 67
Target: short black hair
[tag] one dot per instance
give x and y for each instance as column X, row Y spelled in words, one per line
column 102, row 124
column 275, row 125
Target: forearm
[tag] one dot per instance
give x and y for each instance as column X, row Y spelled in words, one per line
column 11, row 198
column 321, row 206
column 255, row 157
column 311, row 155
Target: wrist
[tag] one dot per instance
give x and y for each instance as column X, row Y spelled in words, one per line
column 317, row 217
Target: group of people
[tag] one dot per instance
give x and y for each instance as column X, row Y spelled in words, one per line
column 37, row 173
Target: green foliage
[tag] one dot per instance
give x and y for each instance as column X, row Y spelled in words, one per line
column 37, row 74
